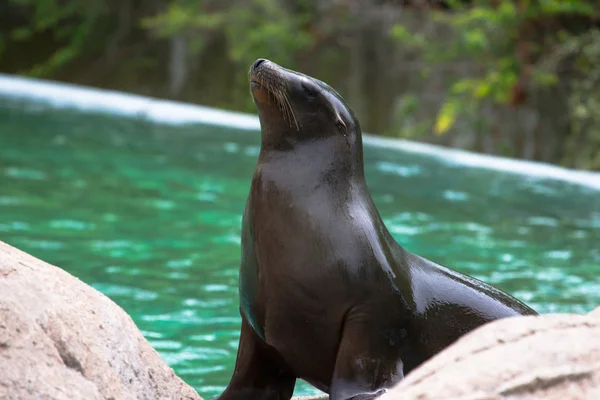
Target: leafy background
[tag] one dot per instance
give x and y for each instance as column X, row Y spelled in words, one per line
column 510, row 77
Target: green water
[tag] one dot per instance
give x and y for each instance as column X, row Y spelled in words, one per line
column 150, row 215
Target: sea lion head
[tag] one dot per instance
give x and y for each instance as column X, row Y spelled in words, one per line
column 294, row 108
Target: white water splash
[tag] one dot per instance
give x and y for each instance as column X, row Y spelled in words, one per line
column 176, row 113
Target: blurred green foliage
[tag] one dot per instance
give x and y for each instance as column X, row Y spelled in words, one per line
column 49, row 17
column 519, row 46
column 583, row 142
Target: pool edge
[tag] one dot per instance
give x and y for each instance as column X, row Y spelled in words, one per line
column 89, row 99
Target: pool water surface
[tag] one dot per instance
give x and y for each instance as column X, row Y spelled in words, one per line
column 150, row 214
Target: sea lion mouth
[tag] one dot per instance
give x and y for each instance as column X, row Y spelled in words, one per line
column 269, row 85
column 260, row 92
column 256, row 84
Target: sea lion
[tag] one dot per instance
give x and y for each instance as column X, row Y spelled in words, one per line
column 326, row 293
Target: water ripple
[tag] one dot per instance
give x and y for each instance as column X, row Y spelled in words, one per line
column 45, row 244
column 126, row 291
column 71, row 224
column 183, row 263
column 559, row 254
column 165, row 344
column 542, row 221
column 24, row 173
column 9, row 201
column 455, row 196
column 402, row 170
column 216, row 288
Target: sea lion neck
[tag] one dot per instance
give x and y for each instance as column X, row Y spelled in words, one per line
column 323, row 161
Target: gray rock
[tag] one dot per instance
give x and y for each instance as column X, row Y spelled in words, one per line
column 548, row 357
column 62, row 339
column 595, row 313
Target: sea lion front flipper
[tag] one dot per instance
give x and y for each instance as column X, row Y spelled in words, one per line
column 257, row 375
column 367, row 363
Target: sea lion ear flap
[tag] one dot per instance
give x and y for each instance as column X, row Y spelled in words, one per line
column 341, row 125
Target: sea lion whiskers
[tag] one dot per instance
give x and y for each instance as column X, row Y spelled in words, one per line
column 283, row 102
column 291, row 110
column 274, row 85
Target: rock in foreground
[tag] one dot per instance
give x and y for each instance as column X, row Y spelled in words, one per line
column 61, row 339
column 548, row 357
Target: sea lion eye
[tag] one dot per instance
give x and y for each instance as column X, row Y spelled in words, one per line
column 309, row 90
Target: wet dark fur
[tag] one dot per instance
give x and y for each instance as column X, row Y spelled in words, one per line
column 326, row 293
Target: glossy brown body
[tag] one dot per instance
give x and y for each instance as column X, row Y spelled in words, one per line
column 326, row 293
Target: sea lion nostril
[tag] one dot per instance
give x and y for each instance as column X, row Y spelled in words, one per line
column 258, row 62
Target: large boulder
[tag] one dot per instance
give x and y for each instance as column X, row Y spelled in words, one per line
column 61, row 339
column 548, row 357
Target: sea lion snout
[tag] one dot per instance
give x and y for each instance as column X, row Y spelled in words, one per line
column 261, row 80
column 268, row 83
column 262, row 66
